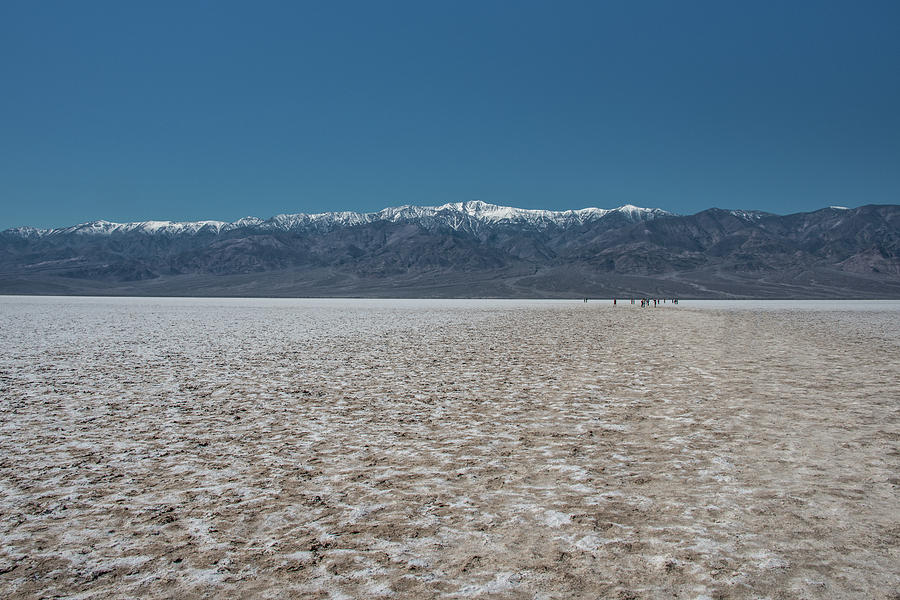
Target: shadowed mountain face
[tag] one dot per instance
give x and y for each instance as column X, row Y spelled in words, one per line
column 471, row 249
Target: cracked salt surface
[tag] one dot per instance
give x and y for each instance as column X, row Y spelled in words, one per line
column 200, row 448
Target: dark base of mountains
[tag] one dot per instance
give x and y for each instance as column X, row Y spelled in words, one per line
column 544, row 283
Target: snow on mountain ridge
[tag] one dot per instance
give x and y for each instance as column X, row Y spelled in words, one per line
column 458, row 215
column 749, row 215
column 495, row 213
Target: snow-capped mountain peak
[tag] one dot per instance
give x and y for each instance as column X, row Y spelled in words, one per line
column 470, row 215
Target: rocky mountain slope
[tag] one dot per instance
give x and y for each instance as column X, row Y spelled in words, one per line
column 470, row 249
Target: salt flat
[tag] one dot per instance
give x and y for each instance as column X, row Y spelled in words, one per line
column 241, row 448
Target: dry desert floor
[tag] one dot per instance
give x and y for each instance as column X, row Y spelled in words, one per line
column 189, row 448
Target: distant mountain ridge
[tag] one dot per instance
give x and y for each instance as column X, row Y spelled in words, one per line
column 470, row 249
column 459, row 215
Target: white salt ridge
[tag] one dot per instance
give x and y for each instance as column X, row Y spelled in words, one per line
column 554, row 518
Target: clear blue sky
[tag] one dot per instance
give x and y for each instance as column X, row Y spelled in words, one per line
column 188, row 110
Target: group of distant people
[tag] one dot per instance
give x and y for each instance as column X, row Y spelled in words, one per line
column 645, row 302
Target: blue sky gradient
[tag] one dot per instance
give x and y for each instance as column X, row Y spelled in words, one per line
column 191, row 110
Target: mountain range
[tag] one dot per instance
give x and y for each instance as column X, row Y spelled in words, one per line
column 470, row 249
